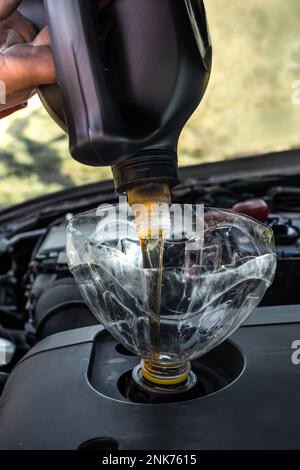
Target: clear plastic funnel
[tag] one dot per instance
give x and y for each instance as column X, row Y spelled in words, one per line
column 214, row 275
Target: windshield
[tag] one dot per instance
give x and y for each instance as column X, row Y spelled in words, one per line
column 250, row 108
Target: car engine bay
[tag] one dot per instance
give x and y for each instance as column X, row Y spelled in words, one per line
column 39, row 297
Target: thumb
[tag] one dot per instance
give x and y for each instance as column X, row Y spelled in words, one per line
column 7, row 7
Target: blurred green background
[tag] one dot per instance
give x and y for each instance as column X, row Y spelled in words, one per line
column 247, row 110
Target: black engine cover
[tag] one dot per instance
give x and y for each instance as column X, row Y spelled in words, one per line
column 67, row 391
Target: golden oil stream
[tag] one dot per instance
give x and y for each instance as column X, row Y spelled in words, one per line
column 153, row 253
column 152, row 247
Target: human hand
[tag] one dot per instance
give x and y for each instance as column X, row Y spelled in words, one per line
column 26, row 59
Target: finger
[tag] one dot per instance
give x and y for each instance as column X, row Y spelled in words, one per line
column 26, row 66
column 18, row 27
column 7, row 7
column 17, row 99
column 12, row 38
column 21, row 24
column 43, row 38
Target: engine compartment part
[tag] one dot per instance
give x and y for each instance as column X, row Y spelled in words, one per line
column 256, row 208
column 61, row 308
column 33, row 259
column 7, row 351
column 88, row 364
column 212, row 373
column 54, row 302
